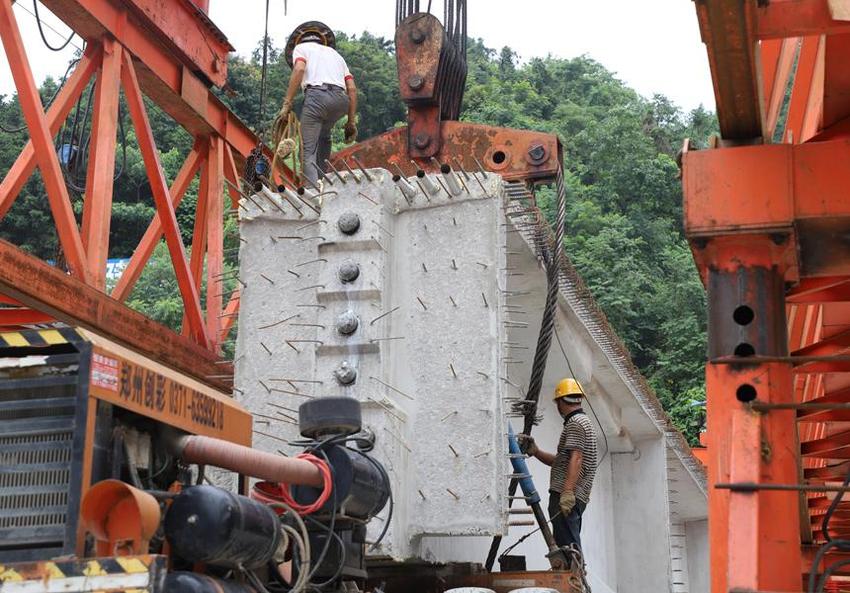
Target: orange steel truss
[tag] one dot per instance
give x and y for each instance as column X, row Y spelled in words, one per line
column 171, row 56
column 768, row 219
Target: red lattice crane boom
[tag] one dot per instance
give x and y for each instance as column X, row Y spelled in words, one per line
column 172, row 57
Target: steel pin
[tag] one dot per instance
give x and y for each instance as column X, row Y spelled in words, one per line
column 367, row 197
column 459, row 165
column 353, row 174
column 480, row 167
column 362, row 168
column 338, row 176
column 382, row 315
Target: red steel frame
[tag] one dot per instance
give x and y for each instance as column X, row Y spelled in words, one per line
column 131, row 48
column 767, row 223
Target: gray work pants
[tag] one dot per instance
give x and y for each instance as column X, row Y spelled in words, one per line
column 323, row 107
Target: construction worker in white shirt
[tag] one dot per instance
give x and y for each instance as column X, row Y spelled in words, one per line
column 329, row 93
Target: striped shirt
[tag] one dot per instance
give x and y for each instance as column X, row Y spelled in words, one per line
column 578, row 435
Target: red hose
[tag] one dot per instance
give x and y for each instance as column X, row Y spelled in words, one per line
column 268, row 492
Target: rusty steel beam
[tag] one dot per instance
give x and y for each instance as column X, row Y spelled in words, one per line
column 728, row 31
column 513, row 154
column 40, row 286
column 796, row 18
column 827, row 346
column 188, row 32
column 19, row 316
column 177, row 26
column 827, row 472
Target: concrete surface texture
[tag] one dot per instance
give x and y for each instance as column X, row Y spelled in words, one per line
column 394, row 301
column 644, row 527
column 448, row 299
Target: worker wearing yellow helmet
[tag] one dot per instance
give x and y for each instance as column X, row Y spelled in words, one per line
column 329, row 94
column 573, row 464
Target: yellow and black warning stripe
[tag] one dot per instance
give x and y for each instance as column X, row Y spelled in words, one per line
column 132, row 574
column 39, row 338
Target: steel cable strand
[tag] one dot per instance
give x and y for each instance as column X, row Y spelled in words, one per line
column 552, row 259
column 547, row 325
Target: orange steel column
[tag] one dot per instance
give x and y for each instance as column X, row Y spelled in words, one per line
column 754, row 534
column 97, row 208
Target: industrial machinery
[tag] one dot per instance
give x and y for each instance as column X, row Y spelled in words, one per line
column 81, row 410
column 112, row 422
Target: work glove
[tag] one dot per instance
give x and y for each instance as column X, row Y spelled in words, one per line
column 567, row 502
column 350, row 132
column 527, row 444
column 280, row 121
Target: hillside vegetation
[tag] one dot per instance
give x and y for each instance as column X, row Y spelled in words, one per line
column 624, row 231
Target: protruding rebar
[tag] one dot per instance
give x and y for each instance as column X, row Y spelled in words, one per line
column 338, row 176
column 353, row 174
column 362, row 168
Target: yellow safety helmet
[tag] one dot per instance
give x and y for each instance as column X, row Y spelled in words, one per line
column 570, row 389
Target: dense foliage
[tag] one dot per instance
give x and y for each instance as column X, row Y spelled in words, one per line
column 624, row 217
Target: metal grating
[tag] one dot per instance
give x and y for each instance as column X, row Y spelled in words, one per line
column 40, row 433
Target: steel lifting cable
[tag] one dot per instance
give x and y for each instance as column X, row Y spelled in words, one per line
column 528, row 405
column 262, row 123
column 552, row 259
